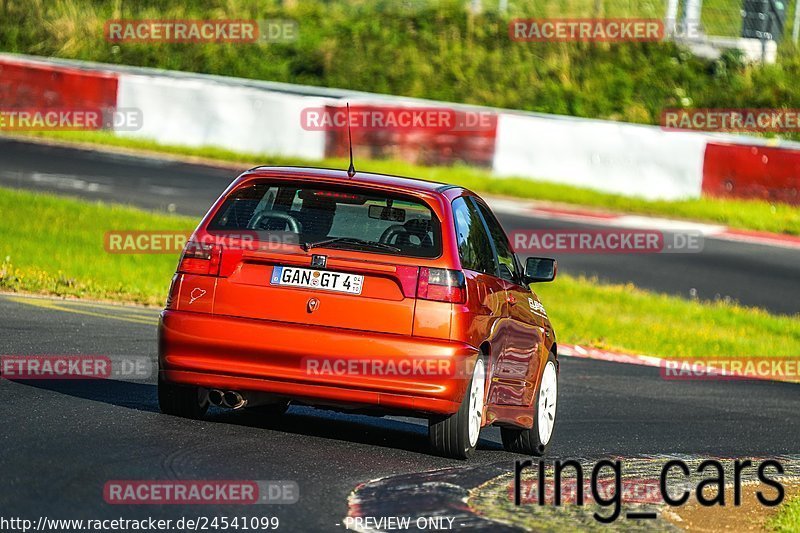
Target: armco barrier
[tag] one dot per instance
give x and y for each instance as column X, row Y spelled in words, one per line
column 749, row 171
column 193, row 112
column 27, row 85
column 423, row 145
column 264, row 117
column 607, row 156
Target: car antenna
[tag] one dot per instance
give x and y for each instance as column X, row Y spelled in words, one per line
column 351, row 171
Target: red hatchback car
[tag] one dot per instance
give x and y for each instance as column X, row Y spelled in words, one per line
column 371, row 293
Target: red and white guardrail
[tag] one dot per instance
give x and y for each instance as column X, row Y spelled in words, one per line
column 264, row 117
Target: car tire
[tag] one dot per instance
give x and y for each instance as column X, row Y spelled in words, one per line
column 183, row 401
column 535, row 441
column 456, row 436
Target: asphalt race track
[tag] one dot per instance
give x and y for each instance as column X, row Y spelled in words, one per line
column 755, row 275
column 63, row 440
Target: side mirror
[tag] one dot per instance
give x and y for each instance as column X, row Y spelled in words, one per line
column 540, row 269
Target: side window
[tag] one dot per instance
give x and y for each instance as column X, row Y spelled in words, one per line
column 474, row 247
column 505, row 256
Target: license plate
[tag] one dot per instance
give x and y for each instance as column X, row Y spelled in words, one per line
column 317, row 279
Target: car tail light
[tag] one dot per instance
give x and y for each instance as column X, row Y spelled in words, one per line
column 407, row 275
column 442, row 285
column 174, row 288
column 338, row 195
column 199, row 258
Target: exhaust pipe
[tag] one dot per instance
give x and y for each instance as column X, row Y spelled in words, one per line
column 215, row 397
column 233, row 400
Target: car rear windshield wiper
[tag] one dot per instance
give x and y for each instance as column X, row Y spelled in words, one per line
column 351, row 241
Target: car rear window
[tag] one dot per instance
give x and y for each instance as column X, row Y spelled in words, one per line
column 363, row 219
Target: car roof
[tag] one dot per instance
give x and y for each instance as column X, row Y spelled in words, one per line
column 360, row 178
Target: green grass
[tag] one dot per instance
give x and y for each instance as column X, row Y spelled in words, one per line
column 745, row 214
column 788, row 518
column 55, row 245
column 622, row 317
column 435, row 49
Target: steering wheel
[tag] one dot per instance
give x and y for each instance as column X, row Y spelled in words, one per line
column 392, row 233
column 262, row 219
column 402, row 233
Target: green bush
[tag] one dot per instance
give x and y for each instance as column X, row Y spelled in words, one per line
column 422, row 49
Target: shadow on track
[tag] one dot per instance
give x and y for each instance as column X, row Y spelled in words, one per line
column 137, row 396
column 299, row 420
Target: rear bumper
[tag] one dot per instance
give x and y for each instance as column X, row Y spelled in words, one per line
column 317, row 365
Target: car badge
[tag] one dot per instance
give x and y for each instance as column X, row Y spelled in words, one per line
column 313, row 305
column 197, row 293
column 319, row 261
